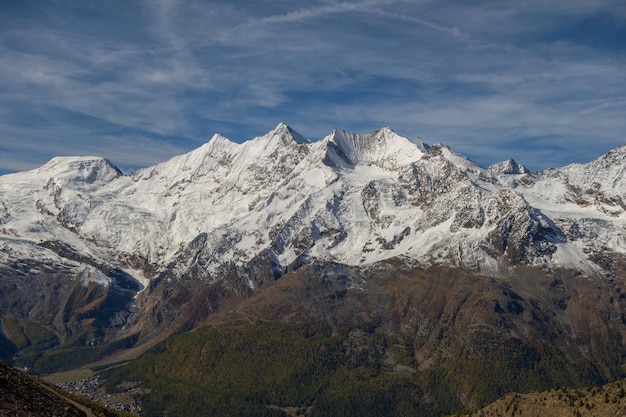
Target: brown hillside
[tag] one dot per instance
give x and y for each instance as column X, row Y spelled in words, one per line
column 21, row 395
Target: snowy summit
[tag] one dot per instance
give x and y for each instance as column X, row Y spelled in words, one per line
column 349, row 198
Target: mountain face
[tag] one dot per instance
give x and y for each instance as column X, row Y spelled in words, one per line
column 508, row 167
column 96, row 261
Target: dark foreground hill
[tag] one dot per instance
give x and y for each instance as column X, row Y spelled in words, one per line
column 22, row 395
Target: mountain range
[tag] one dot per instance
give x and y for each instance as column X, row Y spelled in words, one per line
column 410, row 238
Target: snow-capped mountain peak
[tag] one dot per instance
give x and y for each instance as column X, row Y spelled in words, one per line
column 286, row 131
column 351, row 198
column 280, row 138
column 198, row 162
column 384, row 148
column 88, row 169
column 508, row 167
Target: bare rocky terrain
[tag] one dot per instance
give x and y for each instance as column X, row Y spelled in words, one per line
column 604, row 401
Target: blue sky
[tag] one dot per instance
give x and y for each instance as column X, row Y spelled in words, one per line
column 540, row 81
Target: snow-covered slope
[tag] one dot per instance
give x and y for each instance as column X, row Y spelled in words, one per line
column 349, row 198
column 508, row 167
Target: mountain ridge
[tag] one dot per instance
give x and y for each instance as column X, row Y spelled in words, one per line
column 120, row 257
column 405, row 187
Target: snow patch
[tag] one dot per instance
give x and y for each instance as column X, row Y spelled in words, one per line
column 91, row 274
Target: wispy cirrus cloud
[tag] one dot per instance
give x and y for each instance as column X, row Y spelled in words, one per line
column 539, row 81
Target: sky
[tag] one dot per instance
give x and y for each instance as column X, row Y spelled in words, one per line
column 539, row 81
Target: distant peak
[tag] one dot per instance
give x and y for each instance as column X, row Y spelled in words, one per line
column 87, row 168
column 380, row 147
column 508, row 167
column 286, row 131
column 63, row 162
column 282, row 127
column 217, row 143
column 385, row 131
column 388, row 133
column 217, row 138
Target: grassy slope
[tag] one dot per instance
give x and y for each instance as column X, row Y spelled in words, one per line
column 603, row 401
